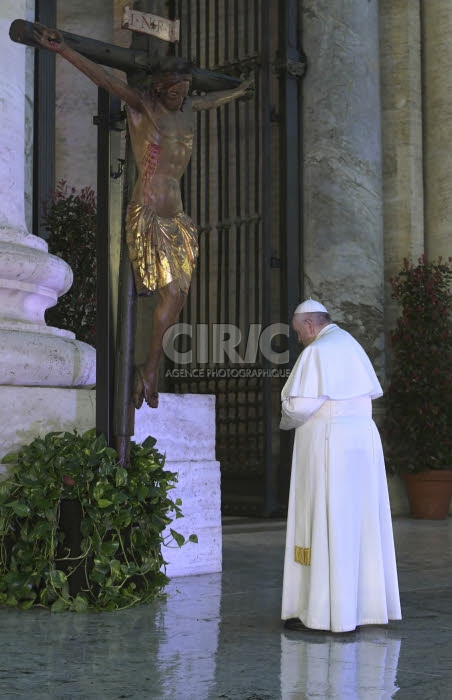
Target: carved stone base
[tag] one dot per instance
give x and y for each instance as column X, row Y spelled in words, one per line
column 28, row 412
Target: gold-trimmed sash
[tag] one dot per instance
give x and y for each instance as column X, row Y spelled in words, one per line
column 303, row 555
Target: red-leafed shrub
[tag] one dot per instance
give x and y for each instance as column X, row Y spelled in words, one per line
column 70, row 219
column 418, row 426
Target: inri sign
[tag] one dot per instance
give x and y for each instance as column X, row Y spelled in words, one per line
column 144, row 22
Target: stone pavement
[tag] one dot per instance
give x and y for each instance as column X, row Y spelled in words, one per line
column 219, row 636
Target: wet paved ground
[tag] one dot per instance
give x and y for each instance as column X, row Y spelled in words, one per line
column 219, row 636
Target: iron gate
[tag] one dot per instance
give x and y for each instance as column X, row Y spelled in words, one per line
column 236, row 192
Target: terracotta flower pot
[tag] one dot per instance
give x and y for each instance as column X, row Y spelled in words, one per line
column 429, row 493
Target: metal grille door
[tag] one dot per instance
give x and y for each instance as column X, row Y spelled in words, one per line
column 231, row 191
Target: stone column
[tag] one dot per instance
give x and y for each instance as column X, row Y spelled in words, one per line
column 401, row 97
column 76, row 95
column 437, row 87
column 342, row 199
column 31, row 280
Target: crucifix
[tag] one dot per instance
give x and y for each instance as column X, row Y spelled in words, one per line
column 161, row 238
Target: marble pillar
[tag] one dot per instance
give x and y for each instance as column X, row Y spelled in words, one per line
column 342, row 197
column 401, row 98
column 31, row 280
column 437, row 88
column 16, row 83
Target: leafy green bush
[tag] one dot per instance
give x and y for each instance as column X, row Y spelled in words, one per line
column 71, row 221
column 123, row 515
column 419, row 399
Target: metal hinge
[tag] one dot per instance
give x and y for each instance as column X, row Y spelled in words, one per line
column 293, row 68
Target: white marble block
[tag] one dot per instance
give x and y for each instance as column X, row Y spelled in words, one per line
column 184, row 426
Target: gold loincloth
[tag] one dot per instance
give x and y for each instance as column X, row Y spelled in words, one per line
column 160, row 250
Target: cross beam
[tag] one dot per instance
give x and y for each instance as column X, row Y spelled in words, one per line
column 128, row 60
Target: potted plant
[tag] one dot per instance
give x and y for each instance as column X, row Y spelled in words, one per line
column 107, row 557
column 419, row 399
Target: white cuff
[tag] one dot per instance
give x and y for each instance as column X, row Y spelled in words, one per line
column 296, row 410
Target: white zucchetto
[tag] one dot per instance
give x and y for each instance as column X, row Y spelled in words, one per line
column 310, row 306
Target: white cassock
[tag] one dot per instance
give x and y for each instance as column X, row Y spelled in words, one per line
column 339, row 568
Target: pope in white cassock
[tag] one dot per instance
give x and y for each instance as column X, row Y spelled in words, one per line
column 339, row 568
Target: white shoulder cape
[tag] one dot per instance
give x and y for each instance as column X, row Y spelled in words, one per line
column 335, row 366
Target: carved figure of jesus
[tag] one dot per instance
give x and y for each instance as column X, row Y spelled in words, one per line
column 161, row 238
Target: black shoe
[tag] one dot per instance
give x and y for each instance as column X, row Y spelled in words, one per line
column 294, row 623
